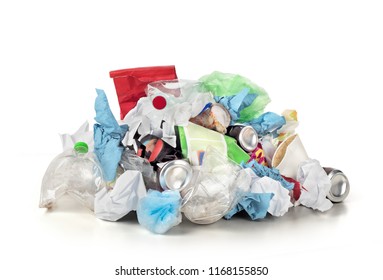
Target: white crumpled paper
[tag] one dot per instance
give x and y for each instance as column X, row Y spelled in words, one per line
column 81, row 135
column 280, row 203
column 114, row 204
column 316, row 185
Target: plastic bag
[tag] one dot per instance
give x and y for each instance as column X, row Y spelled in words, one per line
column 225, row 84
column 131, row 83
column 180, row 99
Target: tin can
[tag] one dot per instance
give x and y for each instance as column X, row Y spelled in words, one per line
column 214, row 116
column 245, row 135
column 340, row 186
column 175, row 175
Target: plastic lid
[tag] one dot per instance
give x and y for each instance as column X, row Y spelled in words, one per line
column 81, row 147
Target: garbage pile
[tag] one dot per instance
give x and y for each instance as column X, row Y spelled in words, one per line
column 202, row 150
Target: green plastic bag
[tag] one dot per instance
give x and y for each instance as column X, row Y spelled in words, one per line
column 226, row 84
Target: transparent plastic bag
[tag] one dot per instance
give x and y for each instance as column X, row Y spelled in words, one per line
column 75, row 172
column 167, row 94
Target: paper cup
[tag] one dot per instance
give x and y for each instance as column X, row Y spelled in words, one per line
column 289, row 154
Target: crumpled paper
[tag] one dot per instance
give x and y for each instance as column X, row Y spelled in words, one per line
column 261, row 171
column 81, row 135
column 280, row 202
column 226, row 84
column 255, row 205
column 107, row 137
column 267, row 123
column 316, row 185
column 113, row 204
column 236, row 103
column 160, row 211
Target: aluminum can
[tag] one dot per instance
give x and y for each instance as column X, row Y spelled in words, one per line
column 340, row 186
column 175, row 175
column 214, row 116
column 245, row 135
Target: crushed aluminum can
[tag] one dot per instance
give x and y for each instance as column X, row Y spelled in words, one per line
column 246, row 136
column 213, row 116
column 175, row 175
column 340, row 186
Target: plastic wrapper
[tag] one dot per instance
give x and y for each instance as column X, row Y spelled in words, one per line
column 220, row 185
column 159, row 212
column 73, row 172
column 225, row 84
column 130, row 161
column 113, row 204
column 259, row 155
column 131, row 83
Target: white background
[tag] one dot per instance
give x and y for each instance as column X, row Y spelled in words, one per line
column 324, row 59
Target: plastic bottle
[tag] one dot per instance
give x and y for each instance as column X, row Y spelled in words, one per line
column 75, row 172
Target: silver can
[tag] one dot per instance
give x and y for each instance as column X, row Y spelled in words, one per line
column 340, row 186
column 215, row 117
column 175, row 175
column 246, row 136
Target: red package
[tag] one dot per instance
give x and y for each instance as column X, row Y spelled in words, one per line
column 131, row 83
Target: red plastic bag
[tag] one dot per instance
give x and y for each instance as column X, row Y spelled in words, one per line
column 131, row 83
